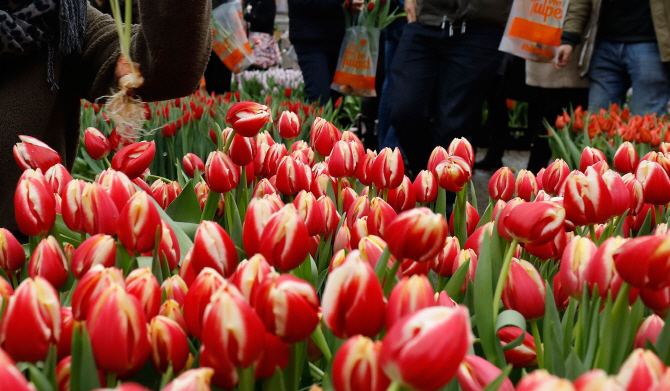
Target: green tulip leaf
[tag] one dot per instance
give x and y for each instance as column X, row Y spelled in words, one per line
column 185, row 208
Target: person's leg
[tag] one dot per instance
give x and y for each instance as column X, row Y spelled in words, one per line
column 315, row 67
column 468, row 65
column 217, row 75
column 608, row 75
column 385, row 132
column 649, row 78
column 415, row 70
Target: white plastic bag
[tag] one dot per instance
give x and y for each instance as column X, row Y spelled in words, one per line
column 230, row 41
column 357, row 65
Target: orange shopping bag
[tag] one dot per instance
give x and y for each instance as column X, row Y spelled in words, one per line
column 534, row 30
column 229, row 39
column 357, row 65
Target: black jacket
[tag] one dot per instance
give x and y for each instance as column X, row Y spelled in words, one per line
column 261, row 16
column 488, row 13
column 316, row 21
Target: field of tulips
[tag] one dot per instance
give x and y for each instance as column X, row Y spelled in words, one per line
column 258, row 247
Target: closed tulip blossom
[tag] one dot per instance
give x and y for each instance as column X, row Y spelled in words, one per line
column 289, row 125
column 587, row 199
column 388, row 170
column 135, row 158
column 364, row 169
column 655, row 182
column 212, row 247
column 626, row 158
column 174, row 288
column 643, row 262
column 273, row 158
column 502, row 185
column 402, row 197
column 597, row 380
column 97, row 144
column 444, row 262
column 475, row 373
column 31, row 321
column 137, row 223
column 199, row 296
column 48, row 261
column 221, row 174
column 408, row 296
column 259, row 213
column 192, row 380
column 648, row 331
column 356, row 366
column 590, row 156
column 58, row 177
column 323, row 135
column 287, row 306
column 553, row 179
column 353, row 300
column 117, row 316
column 283, row 239
column 641, row 370
column 168, row 344
column 417, row 234
column 191, row 162
column 548, row 218
column 380, row 216
column 526, row 185
column 12, row 255
column 522, row 356
column 249, row 275
column 524, row 290
column 542, row 380
column 453, row 173
column 293, row 176
column 248, row 118
column 424, row 350
column 343, row 160
column 119, row 187
column 11, row 377
column 92, row 284
column 34, row 154
column 577, row 264
column 34, row 204
column 425, row 187
column 462, row 148
column 142, row 284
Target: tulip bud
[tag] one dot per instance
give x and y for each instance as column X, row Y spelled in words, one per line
column 356, row 366
column 97, row 145
column 32, row 321
column 641, row 370
column 117, row 316
column 590, row 156
column 577, row 263
column 258, row 215
column 444, row 263
column 453, row 173
column 48, row 261
column 12, row 256
column 330, row 215
column 249, row 275
column 242, row 150
column 192, row 380
column 293, row 176
column 343, row 160
column 365, row 167
column 626, row 158
column 597, row 380
column 655, row 183
column 212, row 247
column 402, row 197
column 310, row 212
column 199, row 296
column 191, row 162
column 524, row 290
column 643, row 262
column 144, row 286
column 425, row 187
column 501, row 185
column 417, row 234
column 171, row 309
column 380, row 216
column 289, row 125
column 221, row 174
column 471, row 220
column 165, row 193
column 526, row 185
column 117, row 185
column 648, row 331
column 353, row 300
column 135, row 158
column 523, row 355
column 388, row 170
column 174, row 288
column 323, row 135
column 99, row 249
column 248, row 118
column 553, row 179
column 656, row 300
column 461, row 147
column 11, row 377
column 414, row 336
column 475, row 373
column 58, row 177
column 234, row 331
column 541, row 380
column 287, row 306
column 408, row 296
column 283, row 240
column 548, row 218
column 168, row 344
column 94, row 282
column 410, row 268
column 34, row 204
column 137, row 224
column 32, row 153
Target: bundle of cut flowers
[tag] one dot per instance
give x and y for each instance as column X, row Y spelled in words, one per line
column 323, row 266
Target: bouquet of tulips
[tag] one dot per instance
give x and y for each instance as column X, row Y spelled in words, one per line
column 606, row 131
column 327, row 268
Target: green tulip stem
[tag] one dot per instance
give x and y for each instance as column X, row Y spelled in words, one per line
column 159, row 177
column 320, row 341
column 83, row 237
column 212, row 203
column 503, row 277
column 657, row 210
column 247, row 378
column 228, row 210
column 107, row 163
column 538, row 344
column 338, row 196
column 395, row 386
column 390, row 278
column 592, row 232
column 621, row 302
column 229, row 141
column 111, row 380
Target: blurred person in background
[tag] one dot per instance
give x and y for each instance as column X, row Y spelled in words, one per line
column 447, row 57
column 217, row 75
column 626, row 44
column 316, row 30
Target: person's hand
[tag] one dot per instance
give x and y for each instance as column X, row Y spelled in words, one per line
column 410, row 10
column 357, row 6
column 564, row 52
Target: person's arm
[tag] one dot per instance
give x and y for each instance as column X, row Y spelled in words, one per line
column 172, row 44
column 576, row 18
column 410, row 10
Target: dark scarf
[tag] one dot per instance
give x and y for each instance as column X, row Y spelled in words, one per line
column 28, row 26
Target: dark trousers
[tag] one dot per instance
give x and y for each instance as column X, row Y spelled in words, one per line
column 549, row 103
column 317, row 63
column 217, row 75
column 439, row 85
column 385, row 132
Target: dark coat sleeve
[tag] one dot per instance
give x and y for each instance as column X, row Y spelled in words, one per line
column 172, row 44
column 315, row 6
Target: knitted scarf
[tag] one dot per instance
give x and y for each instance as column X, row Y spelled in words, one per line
column 28, row 26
